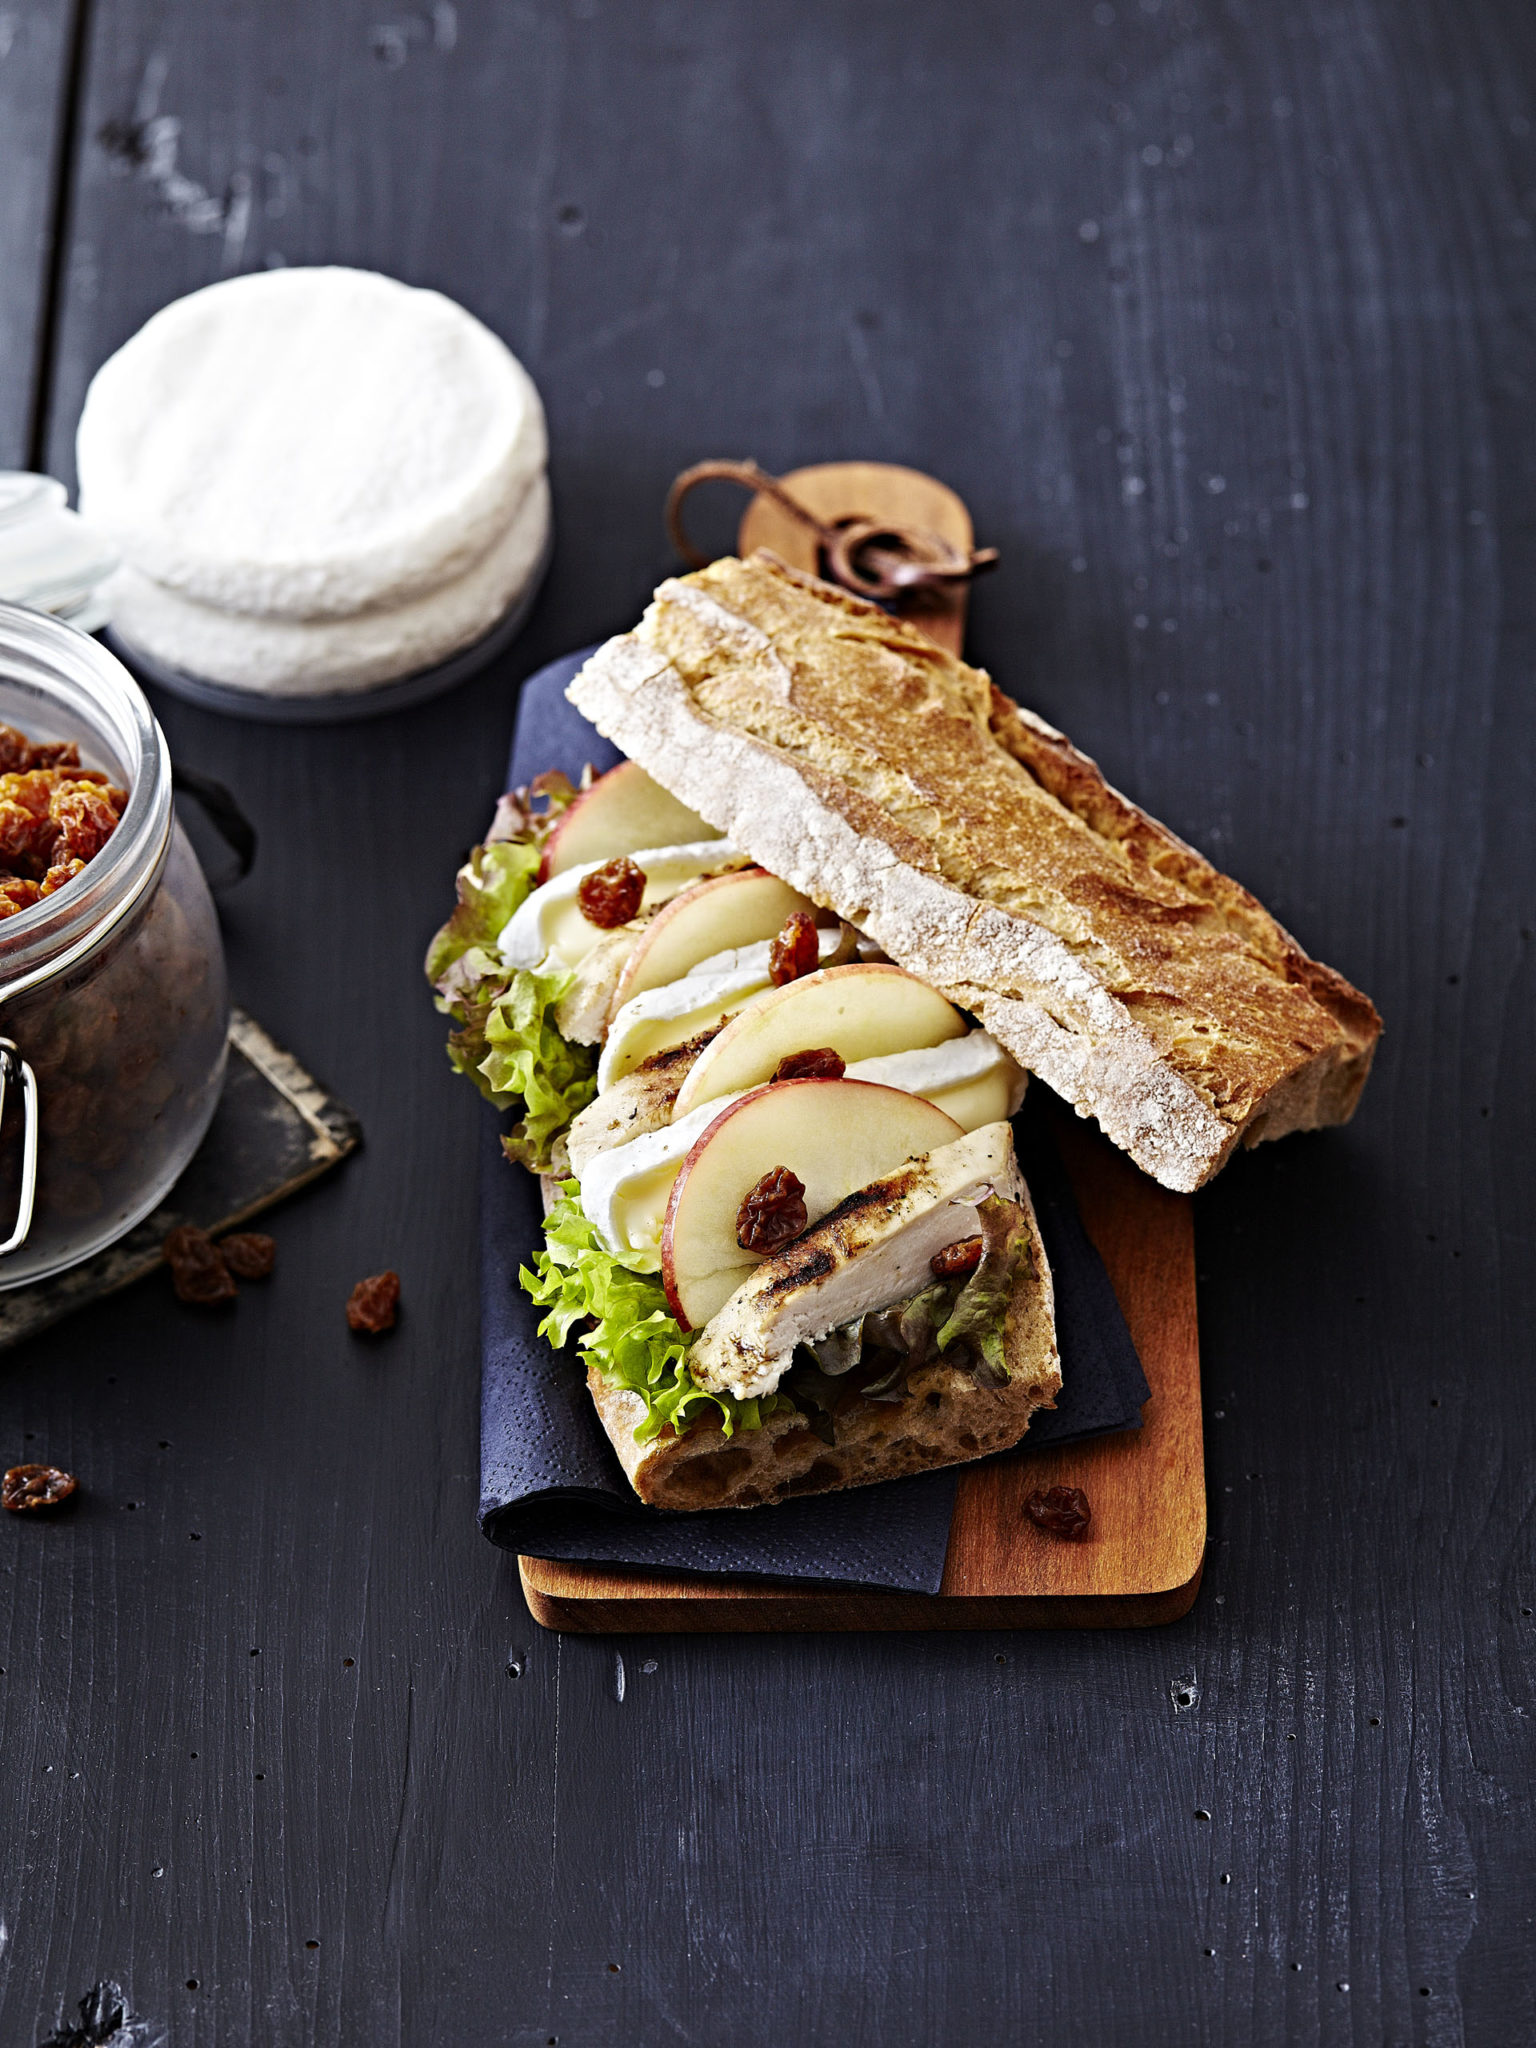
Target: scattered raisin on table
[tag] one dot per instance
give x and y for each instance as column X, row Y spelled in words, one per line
column 957, row 1259
column 26, row 1488
column 1060, row 1511
column 771, row 1213
column 372, row 1303
column 249, row 1254
column 198, row 1271
column 610, row 895
column 820, row 1064
column 795, row 951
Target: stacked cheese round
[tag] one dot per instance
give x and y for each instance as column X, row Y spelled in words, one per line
column 319, row 480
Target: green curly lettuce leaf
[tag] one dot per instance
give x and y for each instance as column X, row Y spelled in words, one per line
column 979, row 1317
column 528, row 1061
column 633, row 1339
column 468, row 975
column 503, row 1038
column 492, row 883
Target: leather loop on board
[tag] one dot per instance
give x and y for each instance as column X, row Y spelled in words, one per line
column 873, row 558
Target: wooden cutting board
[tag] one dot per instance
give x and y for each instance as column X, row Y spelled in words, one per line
column 1145, row 1550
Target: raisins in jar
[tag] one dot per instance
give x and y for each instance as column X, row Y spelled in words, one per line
column 610, row 895
column 249, row 1254
column 85, row 818
column 795, row 951
column 198, row 1272
column 956, row 1260
column 772, row 1212
column 26, row 1488
column 17, row 895
column 1060, row 1511
column 821, row 1063
column 372, row 1304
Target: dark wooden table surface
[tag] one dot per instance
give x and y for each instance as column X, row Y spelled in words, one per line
column 1223, row 319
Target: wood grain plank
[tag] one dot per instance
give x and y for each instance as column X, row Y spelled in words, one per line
column 1136, row 280
column 37, row 53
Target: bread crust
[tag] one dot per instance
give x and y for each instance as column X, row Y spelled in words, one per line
column 897, row 786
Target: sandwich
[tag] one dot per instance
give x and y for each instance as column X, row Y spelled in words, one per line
column 762, row 1000
column 785, row 1223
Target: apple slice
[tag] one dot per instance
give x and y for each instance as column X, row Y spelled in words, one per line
column 551, row 920
column 680, row 1010
column 712, row 917
column 834, row 1136
column 623, row 811
column 864, row 1012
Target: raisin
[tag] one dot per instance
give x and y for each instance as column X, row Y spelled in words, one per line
column 957, row 1259
column 52, row 754
column 1060, row 1511
column 54, row 815
column 85, row 818
column 62, row 871
column 198, row 1271
column 610, row 895
column 795, row 951
column 772, row 1213
column 820, row 1064
column 372, row 1303
column 26, row 1488
column 17, row 895
column 249, row 1254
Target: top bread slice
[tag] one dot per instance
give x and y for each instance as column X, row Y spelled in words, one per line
column 894, row 784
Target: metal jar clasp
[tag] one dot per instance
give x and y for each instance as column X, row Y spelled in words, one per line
column 14, row 1068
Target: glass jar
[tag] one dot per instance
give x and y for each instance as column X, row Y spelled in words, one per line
column 49, row 558
column 113, row 1007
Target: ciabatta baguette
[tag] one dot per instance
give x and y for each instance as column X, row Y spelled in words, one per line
column 894, row 784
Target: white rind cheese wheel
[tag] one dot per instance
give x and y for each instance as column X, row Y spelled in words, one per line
column 307, row 444
column 297, row 657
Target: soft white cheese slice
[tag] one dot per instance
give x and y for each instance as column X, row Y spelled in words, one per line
column 712, row 991
column 972, row 1079
column 853, row 1264
column 624, row 1190
column 548, row 925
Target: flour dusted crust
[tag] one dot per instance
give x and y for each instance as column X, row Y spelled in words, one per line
column 305, row 444
column 948, row 1418
column 299, row 657
column 895, row 785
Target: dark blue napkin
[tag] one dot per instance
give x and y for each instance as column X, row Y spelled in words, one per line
column 550, row 1485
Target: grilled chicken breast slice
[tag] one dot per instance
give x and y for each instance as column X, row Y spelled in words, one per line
column 871, row 1251
column 637, row 1102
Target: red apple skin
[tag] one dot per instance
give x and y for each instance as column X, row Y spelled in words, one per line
column 668, row 1268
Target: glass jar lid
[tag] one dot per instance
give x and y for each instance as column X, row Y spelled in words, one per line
column 49, row 558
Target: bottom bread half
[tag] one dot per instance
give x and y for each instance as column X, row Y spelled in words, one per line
column 947, row 1418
